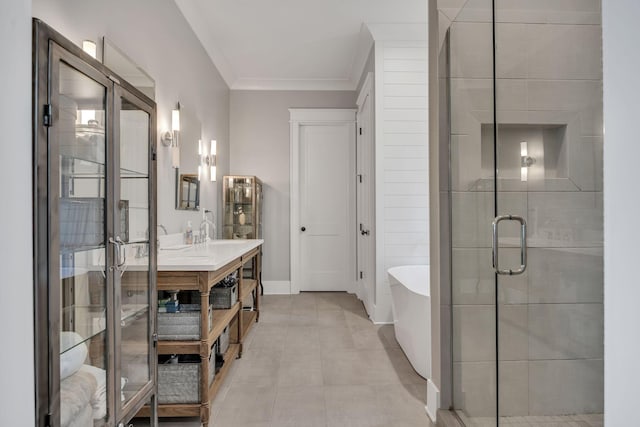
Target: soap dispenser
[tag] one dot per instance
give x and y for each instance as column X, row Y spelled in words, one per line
column 188, row 234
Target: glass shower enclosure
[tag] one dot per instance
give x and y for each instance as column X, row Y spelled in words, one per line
column 524, row 96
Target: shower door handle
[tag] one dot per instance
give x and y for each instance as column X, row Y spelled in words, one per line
column 523, row 244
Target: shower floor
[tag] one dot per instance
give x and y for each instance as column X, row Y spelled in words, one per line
column 580, row 420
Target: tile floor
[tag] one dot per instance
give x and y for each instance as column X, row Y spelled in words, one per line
column 315, row 360
column 583, row 420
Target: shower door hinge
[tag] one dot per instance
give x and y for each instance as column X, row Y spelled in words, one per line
column 361, row 275
column 47, row 115
column 154, row 337
column 47, row 420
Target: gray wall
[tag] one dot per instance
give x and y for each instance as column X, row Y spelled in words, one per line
column 157, row 37
column 621, row 208
column 260, row 135
column 16, row 317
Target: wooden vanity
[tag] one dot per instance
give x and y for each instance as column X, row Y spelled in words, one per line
column 199, row 269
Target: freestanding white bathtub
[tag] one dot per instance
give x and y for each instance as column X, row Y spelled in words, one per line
column 412, row 314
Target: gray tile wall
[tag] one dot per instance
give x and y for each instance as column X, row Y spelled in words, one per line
column 549, row 66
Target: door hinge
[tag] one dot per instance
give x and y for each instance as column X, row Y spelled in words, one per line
column 47, row 116
column 360, row 131
column 359, row 178
column 155, row 340
column 47, row 420
column 153, row 154
column 361, row 275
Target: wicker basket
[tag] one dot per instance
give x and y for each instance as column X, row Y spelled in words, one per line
column 223, row 297
column 183, row 325
column 179, row 382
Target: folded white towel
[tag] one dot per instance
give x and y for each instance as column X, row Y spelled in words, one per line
column 99, row 398
column 74, row 356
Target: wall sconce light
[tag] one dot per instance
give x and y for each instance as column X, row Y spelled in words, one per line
column 526, row 161
column 213, row 159
column 90, row 47
column 171, row 138
column 207, row 160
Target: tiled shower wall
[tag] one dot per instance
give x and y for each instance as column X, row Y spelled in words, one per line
column 549, row 74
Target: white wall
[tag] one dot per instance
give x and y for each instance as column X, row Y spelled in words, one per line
column 260, row 135
column 621, row 209
column 401, row 153
column 16, row 256
column 155, row 35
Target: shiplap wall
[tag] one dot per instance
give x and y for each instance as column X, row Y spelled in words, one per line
column 402, row 217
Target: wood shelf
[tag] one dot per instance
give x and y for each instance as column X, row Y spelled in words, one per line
column 173, row 410
column 248, row 319
column 179, row 347
column 248, row 285
column 221, row 318
column 229, row 357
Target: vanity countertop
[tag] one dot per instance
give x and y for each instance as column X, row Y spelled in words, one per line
column 211, row 256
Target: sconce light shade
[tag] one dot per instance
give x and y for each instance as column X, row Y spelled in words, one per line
column 175, row 119
column 214, row 151
column 90, row 47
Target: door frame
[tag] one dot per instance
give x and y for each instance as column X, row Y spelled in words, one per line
column 365, row 287
column 299, row 117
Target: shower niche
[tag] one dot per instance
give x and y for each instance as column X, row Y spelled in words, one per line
column 530, row 157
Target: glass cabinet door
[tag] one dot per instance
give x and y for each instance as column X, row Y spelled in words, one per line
column 242, row 200
column 78, row 182
column 133, row 283
column 94, row 228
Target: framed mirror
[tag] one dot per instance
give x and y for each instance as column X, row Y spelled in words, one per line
column 187, row 191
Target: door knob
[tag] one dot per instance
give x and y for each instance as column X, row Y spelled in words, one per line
column 364, row 232
column 303, row 229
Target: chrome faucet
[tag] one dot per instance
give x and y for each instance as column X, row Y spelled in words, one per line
column 207, row 226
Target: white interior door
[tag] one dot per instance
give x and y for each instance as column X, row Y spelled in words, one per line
column 327, row 205
column 365, row 207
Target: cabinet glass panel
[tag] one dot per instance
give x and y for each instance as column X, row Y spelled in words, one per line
column 134, row 231
column 81, row 214
column 242, row 202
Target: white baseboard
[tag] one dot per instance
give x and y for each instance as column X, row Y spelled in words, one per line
column 277, row 287
column 433, row 400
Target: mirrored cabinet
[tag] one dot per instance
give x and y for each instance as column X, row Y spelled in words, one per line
column 242, row 201
column 94, row 211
